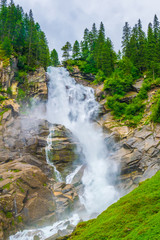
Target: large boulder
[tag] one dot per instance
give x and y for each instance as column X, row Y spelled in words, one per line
column 62, row 150
column 24, row 195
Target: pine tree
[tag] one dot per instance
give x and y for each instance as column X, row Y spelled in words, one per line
column 54, row 58
column 94, row 32
column 3, row 17
column 85, row 44
column 126, row 40
column 99, row 47
column 133, row 45
column 108, row 56
column 156, row 27
column 151, row 54
column 76, row 50
column 156, row 30
column 7, row 47
column 23, row 36
column 67, row 48
column 141, row 48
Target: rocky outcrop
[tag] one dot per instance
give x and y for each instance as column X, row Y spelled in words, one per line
column 137, row 151
column 7, row 73
column 63, row 149
column 24, row 195
column 29, row 193
column 37, row 82
column 82, row 78
column 35, row 85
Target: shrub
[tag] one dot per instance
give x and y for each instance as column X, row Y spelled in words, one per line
column 118, row 85
column 155, row 116
column 21, row 95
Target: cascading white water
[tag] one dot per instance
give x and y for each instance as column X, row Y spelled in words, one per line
column 48, row 147
column 74, row 106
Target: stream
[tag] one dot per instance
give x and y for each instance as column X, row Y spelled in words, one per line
column 74, row 106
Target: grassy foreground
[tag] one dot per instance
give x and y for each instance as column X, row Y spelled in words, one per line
column 134, row 216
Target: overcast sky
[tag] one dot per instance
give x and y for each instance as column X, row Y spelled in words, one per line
column 65, row 20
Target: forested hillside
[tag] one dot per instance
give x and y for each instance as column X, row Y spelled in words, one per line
column 21, row 36
column 140, row 59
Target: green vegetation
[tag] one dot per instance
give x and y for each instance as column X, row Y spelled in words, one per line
column 9, row 215
column 54, row 58
column 140, row 57
column 15, row 170
column 94, row 53
column 155, row 116
column 22, row 37
column 7, row 186
column 3, row 111
column 135, row 216
column 19, row 219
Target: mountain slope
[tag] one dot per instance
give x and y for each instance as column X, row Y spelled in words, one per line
column 135, row 216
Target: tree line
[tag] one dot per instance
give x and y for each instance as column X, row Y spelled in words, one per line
column 97, row 53
column 22, row 37
column 118, row 71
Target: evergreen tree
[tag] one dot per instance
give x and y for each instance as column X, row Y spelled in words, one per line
column 67, row 48
column 85, row 44
column 3, row 17
column 133, row 45
column 141, row 48
column 126, row 40
column 156, row 30
column 76, row 50
column 108, row 57
column 7, row 47
column 54, row 58
column 23, row 37
column 151, row 54
column 99, row 47
column 156, row 27
column 94, row 32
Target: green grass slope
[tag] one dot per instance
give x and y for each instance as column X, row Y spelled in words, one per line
column 135, row 216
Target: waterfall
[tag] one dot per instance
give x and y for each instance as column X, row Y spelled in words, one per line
column 47, row 149
column 75, row 107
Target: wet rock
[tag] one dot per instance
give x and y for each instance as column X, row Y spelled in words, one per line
column 63, row 150
column 128, row 97
column 138, row 84
column 38, row 84
column 24, row 195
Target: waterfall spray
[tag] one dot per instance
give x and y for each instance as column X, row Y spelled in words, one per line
column 74, row 106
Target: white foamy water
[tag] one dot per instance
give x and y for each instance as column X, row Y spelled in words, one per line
column 48, row 231
column 47, row 149
column 75, row 107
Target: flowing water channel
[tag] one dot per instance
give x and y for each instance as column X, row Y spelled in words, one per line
column 75, row 107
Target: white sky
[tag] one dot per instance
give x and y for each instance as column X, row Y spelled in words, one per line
column 65, row 20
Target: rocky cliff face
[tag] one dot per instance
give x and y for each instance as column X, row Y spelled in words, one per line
column 137, row 151
column 7, row 74
column 35, row 86
column 29, row 194
column 37, row 82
